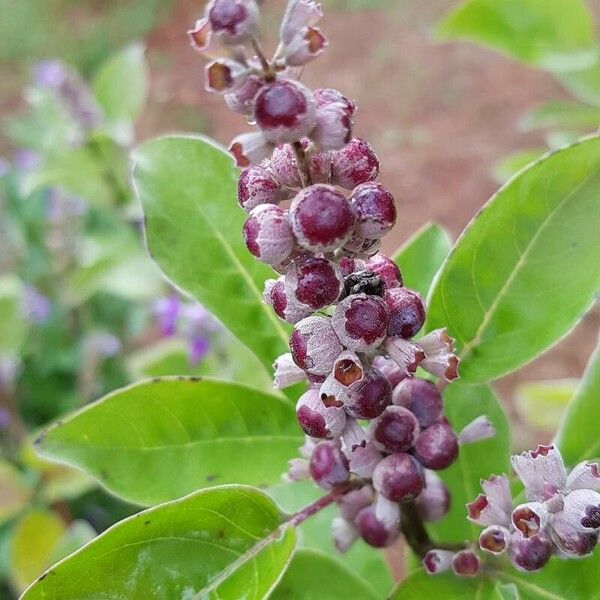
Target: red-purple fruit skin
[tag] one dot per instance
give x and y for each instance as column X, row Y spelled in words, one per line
column 399, row 477
column 372, row 396
column 372, row 530
column 328, row 466
column 374, row 209
column 354, row 164
column 361, row 321
column 396, row 429
column 318, row 283
column 422, row 398
column 407, row 313
column 437, row 447
column 312, row 422
column 530, row 554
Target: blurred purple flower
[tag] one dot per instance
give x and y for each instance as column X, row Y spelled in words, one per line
column 35, row 306
column 167, row 311
column 26, row 160
column 60, row 207
column 9, row 370
column 4, row 418
column 49, row 73
column 4, row 167
column 198, row 348
column 106, row 344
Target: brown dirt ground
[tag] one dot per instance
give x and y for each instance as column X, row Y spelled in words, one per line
column 438, row 115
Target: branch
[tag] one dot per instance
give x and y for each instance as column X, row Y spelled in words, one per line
column 302, row 164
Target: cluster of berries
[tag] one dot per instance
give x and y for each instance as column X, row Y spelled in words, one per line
column 317, row 216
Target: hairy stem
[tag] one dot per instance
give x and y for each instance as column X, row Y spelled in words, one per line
column 302, row 164
column 264, row 63
column 318, row 505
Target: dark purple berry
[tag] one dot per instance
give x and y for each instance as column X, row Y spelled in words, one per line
column 386, row 269
column 373, row 530
column 314, row 282
column 318, row 420
column 370, row 396
column 465, row 563
column 529, row 554
column 268, row 234
column 407, row 313
column 256, row 187
column 437, row 447
column 354, row 164
column 422, row 398
column 396, row 430
column 314, row 345
column 328, row 466
column 374, row 209
column 399, row 477
column 233, row 20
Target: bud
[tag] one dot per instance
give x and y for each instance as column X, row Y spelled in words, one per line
column 484, row 511
column 582, row 510
column 391, row 371
column 541, row 471
column 529, row 554
column 327, row 97
column 399, row 477
column 422, row 398
column 268, row 234
column 354, row 164
column 322, row 218
column 287, row 373
column 233, row 21
column 437, row 447
column 306, row 45
column 386, row 269
column 276, row 297
column 571, row 542
column 375, row 210
column 283, row 166
column 362, row 454
column 298, row 15
column 494, row 539
column 333, row 127
column 249, row 149
column 379, row 530
column 328, row 466
column 407, row 313
column 433, row 502
column 241, row 99
column 314, row 282
column 284, row 111
column 405, row 354
column 396, row 430
column 497, row 490
column 477, row 430
column 440, row 359
column 437, row 561
column 314, row 345
column 298, row 470
column 584, row 476
column 318, row 420
column 343, row 533
column 465, row 563
column 256, row 186
column 360, row 322
column 530, row 518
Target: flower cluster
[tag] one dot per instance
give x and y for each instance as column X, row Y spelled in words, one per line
column 317, row 216
column 561, row 517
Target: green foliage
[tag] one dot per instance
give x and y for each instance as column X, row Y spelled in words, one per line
column 226, row 542
column 551, row 34
column 121, row 84
column 475, row 461
column 542, row 403
column 174, row 436
column 497, row 292
column 314, row 575
column 14, row 491
column 506, row 168
column 420, row 585
column 562, row 115
column 578, row 435
column 13, row 326
column 187, row 188
column 422, row 255
column 584, row 84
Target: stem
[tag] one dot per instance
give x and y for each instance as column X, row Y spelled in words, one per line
column 318, row 505
column 264, row 63
column 302, row 164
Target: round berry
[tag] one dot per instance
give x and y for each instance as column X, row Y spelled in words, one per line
column 322, row 218
column 333, row 127
column 396, row 430
column 373, row 530
column 233, row 20
column 370, row 396
column 529, row 554
column 268, row 234
column 407, row 313
column 328, row 466
column 354, row 164
column 314, row 345
column 314, row 282
column 318, row 420
column 399, row 477
column 386, row 269
column 328, row 96
column 361, row 321
column 284, row 111
column 374, row 209
column 437, row 447
column 422, row 398
column 275, row 296
column 256, row 187
column 465, row 563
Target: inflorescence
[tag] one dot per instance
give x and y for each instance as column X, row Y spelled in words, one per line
column 374, row 429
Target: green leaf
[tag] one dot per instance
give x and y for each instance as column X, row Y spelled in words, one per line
column 475, row 461
column 34, row 539
column 194, row 231
column 422, row 255
column 13, row 326
column 542, row 403
column 510, row 165
column 315, row 533
column 507, row 591
column 226, row 542
column 525, row 269
column 444, row 586
column 77, row 535
column 14, row 491
column 551, row 34
column 562, row 115
column 161, row 439
column 578, row 435
column 121, row 84
column 585, row 84
column 314, row 575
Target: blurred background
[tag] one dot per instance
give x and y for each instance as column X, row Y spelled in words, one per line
column 83, row 310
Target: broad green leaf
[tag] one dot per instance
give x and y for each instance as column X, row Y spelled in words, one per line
column 34, row 539
column 13, row 326
column 14, row 491
column 77, row 535
column 446, row 586
column 161, row 439
column 525, row 269
column 315, row 533
column 562, row 115
column 226, row 542
column 187, row 187
column 585, row 84
column 507, row 591
column 121, row 84
column 422, row 255
column 558, row 580
column 510, row 165
column 475, row 461
column 551, row 34
column 578, row 437
column 314, row 575
column 542, row 403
